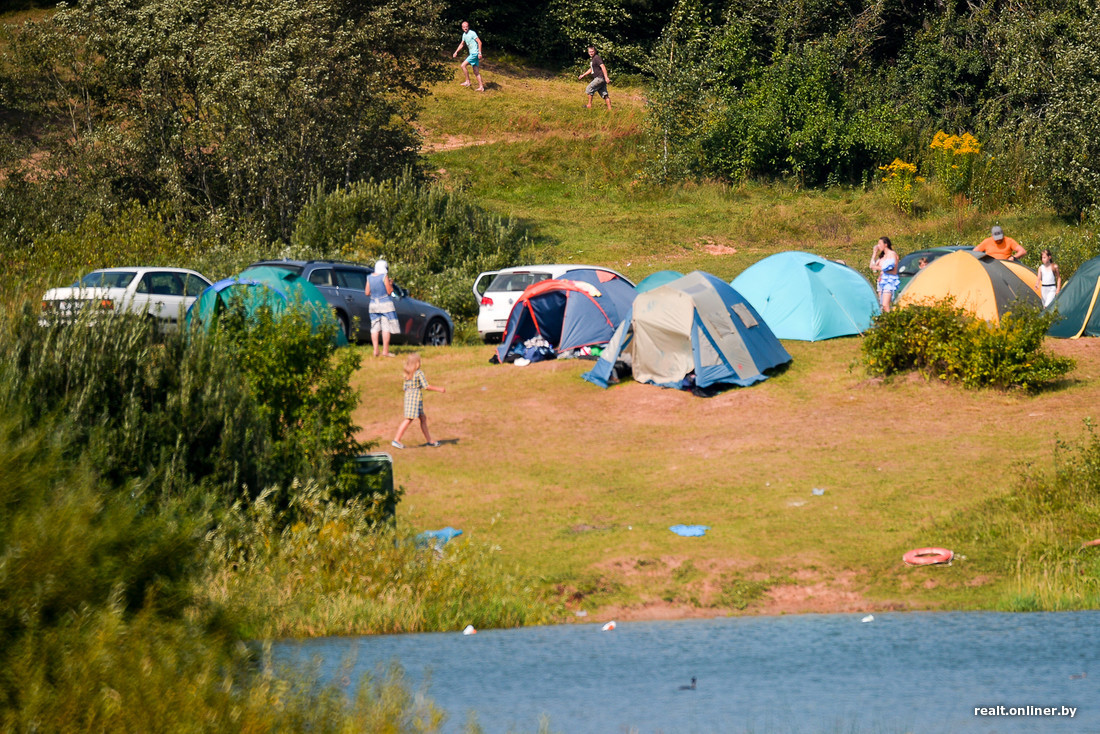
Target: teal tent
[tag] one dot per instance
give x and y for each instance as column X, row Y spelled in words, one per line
column 261, row 287
column 1078, row 303
column 808, row 298
column 655, row 279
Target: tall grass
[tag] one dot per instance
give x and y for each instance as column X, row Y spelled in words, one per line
column 331, row 572
column 1034, row 537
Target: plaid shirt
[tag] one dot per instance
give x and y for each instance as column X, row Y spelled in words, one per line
column 414, row 395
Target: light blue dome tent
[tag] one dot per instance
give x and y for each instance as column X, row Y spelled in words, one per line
column 661, row 277
column 269, row 288
column 696, row 325
column 808, row 298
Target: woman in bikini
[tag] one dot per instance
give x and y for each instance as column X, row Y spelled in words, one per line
column 885, row 260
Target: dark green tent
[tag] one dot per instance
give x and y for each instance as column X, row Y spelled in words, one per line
column 1078, row 304
column 273, row 288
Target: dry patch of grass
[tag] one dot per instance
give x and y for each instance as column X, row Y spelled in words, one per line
column 579, row 485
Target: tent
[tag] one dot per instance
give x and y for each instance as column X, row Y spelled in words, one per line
column 579, row 308
column 1078, row 303
column 653, row 280
column 806, row 297
column 984, row 286
column 261, row 287
column 697, row 324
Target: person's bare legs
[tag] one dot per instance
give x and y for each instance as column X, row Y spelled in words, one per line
column 385, row 344
column 424, row 428
column 466, row 71
column 374, row 340
column 589, row 105
column 402, row 428
column 887, row 297
column 480, row 84
column 608, row 100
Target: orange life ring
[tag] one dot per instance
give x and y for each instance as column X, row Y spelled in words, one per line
column 927, row 556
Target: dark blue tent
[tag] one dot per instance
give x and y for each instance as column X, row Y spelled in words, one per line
column 580, row 308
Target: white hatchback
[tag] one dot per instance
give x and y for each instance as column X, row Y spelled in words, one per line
column 497, row 291
column 162, row 294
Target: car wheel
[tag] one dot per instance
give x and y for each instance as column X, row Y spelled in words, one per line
column 344, row 325
column 436, row 334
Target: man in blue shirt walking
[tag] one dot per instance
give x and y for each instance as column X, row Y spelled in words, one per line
column 473, row 59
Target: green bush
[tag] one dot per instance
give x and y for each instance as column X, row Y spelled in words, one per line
column 127, row 234
column 301, row 384
column 435, row 240
column 943, row 341
column 256, row 406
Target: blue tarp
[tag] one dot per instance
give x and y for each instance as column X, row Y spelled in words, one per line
column 438, row 538
column 690, row 531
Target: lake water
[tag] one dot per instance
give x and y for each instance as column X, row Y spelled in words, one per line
column 901, row 672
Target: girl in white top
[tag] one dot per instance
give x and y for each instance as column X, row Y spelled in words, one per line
column 1050, row 279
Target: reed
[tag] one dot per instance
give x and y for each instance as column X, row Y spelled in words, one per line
column 332, row 572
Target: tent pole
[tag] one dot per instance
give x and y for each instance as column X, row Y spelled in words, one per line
column 1088, row 313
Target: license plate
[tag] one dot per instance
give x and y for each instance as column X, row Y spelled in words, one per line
column 501, row 323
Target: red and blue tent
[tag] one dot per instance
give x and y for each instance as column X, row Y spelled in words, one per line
column 580, row 308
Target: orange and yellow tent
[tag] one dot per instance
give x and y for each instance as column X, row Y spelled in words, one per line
column 983, row 286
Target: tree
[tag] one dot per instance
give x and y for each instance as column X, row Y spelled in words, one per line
column 240, row 108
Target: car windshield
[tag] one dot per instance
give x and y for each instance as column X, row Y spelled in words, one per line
column 509, row 282
column 910, row 264
column 107, row 279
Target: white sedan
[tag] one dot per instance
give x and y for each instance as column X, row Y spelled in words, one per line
column 163, row 294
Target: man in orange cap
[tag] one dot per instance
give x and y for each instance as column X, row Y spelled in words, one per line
column 1001, row 247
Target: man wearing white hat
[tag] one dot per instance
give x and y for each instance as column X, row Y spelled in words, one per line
column 383, row 312
column 1001, row 247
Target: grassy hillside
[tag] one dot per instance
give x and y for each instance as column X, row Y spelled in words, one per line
column 579, row 485
column 527, row 147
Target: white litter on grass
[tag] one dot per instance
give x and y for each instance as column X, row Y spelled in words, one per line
column 581, row 613
column 469, row 630
column 796, row 503
column 868, row 618
column 608, row 627
column 818, row 491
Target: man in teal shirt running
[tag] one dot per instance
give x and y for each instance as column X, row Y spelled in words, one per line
column 473, row 43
